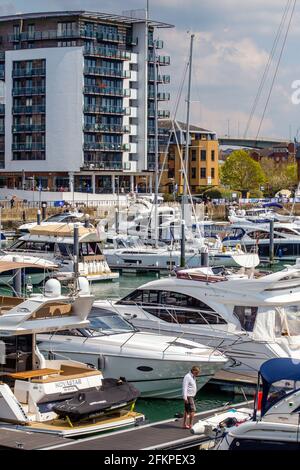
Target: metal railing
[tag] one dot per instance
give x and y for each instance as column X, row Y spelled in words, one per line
column 110, row 128
column 112, row 91
column 34, row 146
column 106, row 109
column 106, row 146
column 34, row 109
column 107, row 72
column 29, row 128
column 114, row 165
column 38, row 90
column 107, row 52
column 34, row 72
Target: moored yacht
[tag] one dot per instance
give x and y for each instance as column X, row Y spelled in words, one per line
column 274, row 424
column 249, row 315
column 154, row 364
column 60, row 397
column 55, row 243
column 60, row 218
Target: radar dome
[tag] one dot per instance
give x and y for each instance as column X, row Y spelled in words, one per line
column 52, row 288
column 83, row 285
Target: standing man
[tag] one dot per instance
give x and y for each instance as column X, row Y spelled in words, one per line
column 189, row 390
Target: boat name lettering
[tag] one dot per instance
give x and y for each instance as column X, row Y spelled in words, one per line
column 68, row 383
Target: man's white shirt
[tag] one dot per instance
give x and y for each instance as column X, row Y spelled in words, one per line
column 189, row 386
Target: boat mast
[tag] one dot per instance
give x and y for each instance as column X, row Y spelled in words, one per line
column 185, row 162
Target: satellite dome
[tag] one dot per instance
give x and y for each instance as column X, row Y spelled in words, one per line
column 83, row 285
column 52, row 288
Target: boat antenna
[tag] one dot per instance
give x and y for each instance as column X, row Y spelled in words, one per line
column 76, row 254
column 186, row 159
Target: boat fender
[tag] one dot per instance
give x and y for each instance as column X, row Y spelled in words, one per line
column 101, row 362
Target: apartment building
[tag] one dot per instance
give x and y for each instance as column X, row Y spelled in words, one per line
column 78, row 107
column 203, row 168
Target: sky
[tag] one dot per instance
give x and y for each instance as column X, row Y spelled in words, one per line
column 233, row 40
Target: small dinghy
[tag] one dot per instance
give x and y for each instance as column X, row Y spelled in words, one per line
column 113, row 396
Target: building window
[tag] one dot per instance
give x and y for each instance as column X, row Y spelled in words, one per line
column 16, row 29
column 212, row 155
column 193, row 172
column 203, row 155
column 212, row 173
column 202, row 172
column 194, row 155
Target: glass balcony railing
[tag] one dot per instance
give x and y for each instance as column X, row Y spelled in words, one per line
column 33, row 146
column 163, row 114
column 38, row 90
column 111, row 37
column 50, row 34
column 40, row 72
column 163, row 96
column 107, row 53
column 107, row 128
column 2, row 129
column 29, row 128
column 112, row 91
column 2, row 55
column 160, row 78
column 2, row 73
column 2, row 108
column 106, row 146
column 161, row 59
column 35, row 109
column 107, row 72
column 113, row 165
column 106, row 109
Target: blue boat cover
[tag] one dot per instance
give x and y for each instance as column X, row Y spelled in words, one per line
column 274, row 370
column 277, row 369
column 272, row 204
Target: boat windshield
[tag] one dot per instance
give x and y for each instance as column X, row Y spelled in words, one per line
column 108, row 323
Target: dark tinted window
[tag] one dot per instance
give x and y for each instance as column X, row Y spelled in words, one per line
column 185, row 317
column 246, row 316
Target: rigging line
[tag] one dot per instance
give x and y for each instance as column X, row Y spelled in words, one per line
column 267, row 67
column 277, row 67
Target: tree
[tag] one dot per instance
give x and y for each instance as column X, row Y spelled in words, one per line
column 241, row 173
column 278, row 177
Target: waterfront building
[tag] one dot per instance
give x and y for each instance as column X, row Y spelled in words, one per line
column 203, row 167
column 78, row 105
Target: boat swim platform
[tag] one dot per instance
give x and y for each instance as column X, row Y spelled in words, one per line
column 164, row 435
column 14, row 439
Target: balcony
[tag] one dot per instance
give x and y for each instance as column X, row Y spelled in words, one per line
column 28, row 128
column 28, row 147
column 161, row 59
column 50, row 34
column 106, row 109
column 107, row 128
column 160, row 79
column 36, row 72
column 163, row 96
column 114, row 165
column 112, row 91
column 163, row 114
column 38, row 90
column 111, row 37
column 107, row 72
column 105, row 146
column 107, row 53
column 35, row 109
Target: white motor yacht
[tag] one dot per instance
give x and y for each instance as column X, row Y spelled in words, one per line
column 61, row 218
column 55, row 243
column 61, row 397
column 129, row 253
column 249, row 315
column 154, row 364
column 257, row 235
